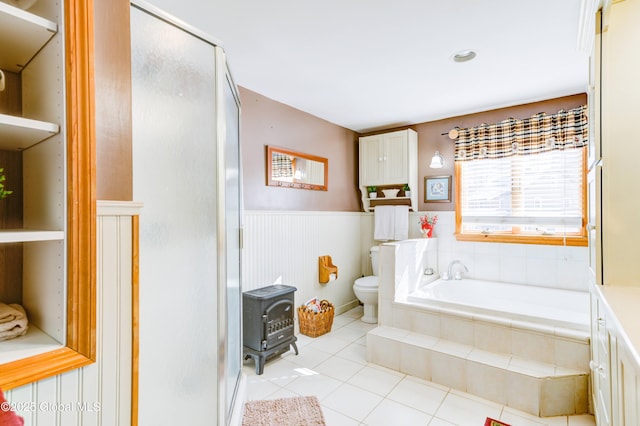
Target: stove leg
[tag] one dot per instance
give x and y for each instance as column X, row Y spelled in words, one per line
column 295, row 347
column 260, row 365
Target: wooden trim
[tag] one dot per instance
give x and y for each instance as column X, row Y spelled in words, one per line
column 135, row 301
column 81, row 313
column 41, row 366
column 551, row 240
column 81, row 219
column 457, row 173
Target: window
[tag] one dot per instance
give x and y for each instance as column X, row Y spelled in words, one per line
column 523, row 180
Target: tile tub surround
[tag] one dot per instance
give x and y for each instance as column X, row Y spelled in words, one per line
column 540, row 369
column 529, row 264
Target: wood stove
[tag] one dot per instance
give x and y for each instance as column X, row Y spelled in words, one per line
column 268, row 323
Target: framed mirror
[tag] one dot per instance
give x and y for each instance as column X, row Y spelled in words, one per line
column 292, row 169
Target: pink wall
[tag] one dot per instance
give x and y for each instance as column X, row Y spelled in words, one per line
column 267, row 122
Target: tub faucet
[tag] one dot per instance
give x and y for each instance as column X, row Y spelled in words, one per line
column 457, row 275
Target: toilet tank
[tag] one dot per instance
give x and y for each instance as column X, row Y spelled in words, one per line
column 373, row 253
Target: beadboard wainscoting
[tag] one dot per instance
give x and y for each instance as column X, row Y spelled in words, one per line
column 101, row 393
column 284, row 246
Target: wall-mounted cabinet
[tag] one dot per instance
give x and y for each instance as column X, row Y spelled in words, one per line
column 31, row 124
column 387, row 161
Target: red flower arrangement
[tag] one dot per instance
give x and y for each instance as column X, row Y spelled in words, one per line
column 427, row 222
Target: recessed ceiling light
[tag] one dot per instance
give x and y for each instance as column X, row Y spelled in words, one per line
column 464, row 56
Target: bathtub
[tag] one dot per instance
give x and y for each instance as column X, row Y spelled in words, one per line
column 506, row 303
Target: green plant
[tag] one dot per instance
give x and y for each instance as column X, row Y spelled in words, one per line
column 372, row 189
column 3, row 192
column 405, row 187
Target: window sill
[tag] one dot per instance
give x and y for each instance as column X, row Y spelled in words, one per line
column 551, row 240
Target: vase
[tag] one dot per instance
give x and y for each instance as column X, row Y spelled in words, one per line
column 427, row 230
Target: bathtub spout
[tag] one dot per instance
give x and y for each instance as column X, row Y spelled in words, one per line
column 458, row 275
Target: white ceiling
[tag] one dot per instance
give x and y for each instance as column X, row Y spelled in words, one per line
column 374, row 64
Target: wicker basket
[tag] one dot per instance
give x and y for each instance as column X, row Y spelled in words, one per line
column 314, row 324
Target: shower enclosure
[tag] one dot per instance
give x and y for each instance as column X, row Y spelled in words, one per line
column 186, row 172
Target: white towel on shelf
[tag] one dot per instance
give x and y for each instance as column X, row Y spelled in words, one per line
column 384, row 218
column 13, row 321
column 401, row 223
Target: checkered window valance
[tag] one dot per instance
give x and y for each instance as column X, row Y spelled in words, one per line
column 540, row 133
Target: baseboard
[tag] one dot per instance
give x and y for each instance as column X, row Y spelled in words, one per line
column 346, row 307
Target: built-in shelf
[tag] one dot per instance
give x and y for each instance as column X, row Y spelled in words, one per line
column 17, row 133
column 29, row 235
column 35, row 342
column 27, row 33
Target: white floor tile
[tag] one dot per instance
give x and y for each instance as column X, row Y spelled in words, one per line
column 376, row 380
column 333, row 418
column 465, row 411
column 354, row 352
column 349, row 333
column 419, row 394
column 309, row 358
column 282, row 393
column 278, row 371
column 352, row 401
column 328, row 343
column 439, row 422
column 319, row 385
column 339, row 368
column 258, row 390
column 340, row 321
column 391, row 412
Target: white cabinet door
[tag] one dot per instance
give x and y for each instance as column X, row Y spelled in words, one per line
column 628, row 401
column 384, row 159
column 600, row 363
column 396, row 157
column 371, row 160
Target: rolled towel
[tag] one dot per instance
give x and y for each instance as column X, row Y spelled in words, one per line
column 13, row 321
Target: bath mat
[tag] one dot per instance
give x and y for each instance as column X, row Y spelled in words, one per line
column 494, row 422
column 301, row 410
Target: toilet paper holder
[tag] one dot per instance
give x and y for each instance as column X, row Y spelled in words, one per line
column 327, row 271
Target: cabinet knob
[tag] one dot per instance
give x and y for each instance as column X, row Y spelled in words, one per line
column 596, row 368
column 591, row 227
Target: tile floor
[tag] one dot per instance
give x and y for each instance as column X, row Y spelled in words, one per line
column 352, row 391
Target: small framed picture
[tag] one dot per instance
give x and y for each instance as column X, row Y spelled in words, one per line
column 437, row 189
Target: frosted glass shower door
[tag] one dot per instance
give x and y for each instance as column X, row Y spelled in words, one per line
column 176, row 177
column 233, row 224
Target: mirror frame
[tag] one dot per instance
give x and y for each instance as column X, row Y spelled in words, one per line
column 299, row 185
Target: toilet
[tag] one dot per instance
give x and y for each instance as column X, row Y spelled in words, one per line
column 366, row 290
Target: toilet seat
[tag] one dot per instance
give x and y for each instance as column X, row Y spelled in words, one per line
column 369, row 282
